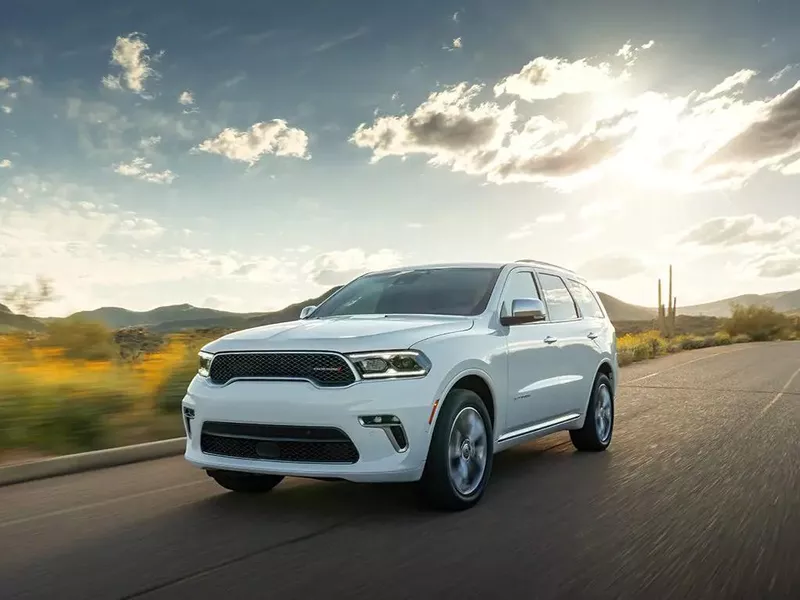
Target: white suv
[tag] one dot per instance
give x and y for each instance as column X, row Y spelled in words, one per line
column 413, row 374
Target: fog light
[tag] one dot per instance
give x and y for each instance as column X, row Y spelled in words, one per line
column 188, row 415
column 391, row 426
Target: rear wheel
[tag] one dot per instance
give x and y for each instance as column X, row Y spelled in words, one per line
column 598, row 427
column 245, row 483
column 461, row 453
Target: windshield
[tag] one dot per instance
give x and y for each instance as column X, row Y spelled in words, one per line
column 444, row 291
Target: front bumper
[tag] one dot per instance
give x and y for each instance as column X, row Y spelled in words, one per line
column 302, row 404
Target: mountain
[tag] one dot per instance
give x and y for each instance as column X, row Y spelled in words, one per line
column 622, row 311
column 170, row 319
column 12, row 322
column 780, row 301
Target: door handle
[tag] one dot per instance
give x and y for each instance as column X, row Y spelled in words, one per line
column 592, row 335
column 550, row 340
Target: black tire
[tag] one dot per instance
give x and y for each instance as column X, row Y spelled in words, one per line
column 245, row 483
column 437, row 487
column 588, row 438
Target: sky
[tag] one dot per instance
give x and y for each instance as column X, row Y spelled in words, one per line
column 246, row 155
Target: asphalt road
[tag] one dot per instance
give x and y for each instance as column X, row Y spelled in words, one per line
column 698, row 497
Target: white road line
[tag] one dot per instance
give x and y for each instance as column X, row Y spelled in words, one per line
column 683, row 364
column 73, row 509
column 780, row 394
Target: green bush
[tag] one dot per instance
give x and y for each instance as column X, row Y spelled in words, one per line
column 722, row 338
column 760, row 323
column 81, row 340
column 170, row 394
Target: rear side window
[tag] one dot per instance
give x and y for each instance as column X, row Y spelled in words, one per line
column 590, row 308
column 559, row 302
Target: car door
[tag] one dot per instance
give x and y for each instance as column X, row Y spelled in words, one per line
column 532, row 359
column 595, row 333
column 572, row 342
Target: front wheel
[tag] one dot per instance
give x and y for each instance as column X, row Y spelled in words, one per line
column 245, row 483
column 461, row 453
column 598, row 427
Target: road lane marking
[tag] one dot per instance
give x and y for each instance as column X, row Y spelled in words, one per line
column 683, row 364
column 73, row 509
column 780, row 394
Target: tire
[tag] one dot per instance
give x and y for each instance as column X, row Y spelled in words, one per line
column 596, row 433
column 245, row 483
column 461, row 411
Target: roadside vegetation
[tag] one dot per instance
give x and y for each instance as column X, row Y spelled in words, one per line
column 80, row 386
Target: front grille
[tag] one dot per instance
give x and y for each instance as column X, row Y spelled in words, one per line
column 329, row 370
column 278, row 442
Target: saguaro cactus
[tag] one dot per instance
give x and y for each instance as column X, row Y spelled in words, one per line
column 666, row 316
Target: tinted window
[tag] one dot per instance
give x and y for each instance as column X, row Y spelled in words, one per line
column 456, row 291
column 520, row 284
column 588, row 304
column 559, row 303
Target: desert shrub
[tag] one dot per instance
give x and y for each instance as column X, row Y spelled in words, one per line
column 722, row 338
column 81, row 340
column 761, row 323
column 742, row 338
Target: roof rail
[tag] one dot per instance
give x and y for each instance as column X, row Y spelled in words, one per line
column 544, row 264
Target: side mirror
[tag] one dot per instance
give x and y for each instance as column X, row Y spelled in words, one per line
column 525, row 310
column 307, row 310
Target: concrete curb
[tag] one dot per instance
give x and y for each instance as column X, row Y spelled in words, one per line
column 88, row 461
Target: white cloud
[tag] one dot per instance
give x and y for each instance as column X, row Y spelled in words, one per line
column 130, row 55
column 548, row 77
column 777, row 76
column 600, row 208
column 149, row 142
column 5, row 83
column 528, row 229
column 269, row 137
column 25, row 79
column 457, row 43
column 341, row 266
column 551, row 218
column 743, row 230
column 141, row 169
column 6, row 109
column 186, row 98
column 731, row 84
column 5, row 164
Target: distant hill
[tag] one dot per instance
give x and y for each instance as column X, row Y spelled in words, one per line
column 780, row 301
column 622, row 311
column 11, row 322
column 170, row 319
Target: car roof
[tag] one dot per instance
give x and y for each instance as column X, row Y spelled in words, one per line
column 488, row 265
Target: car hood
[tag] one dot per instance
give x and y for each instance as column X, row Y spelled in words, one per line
column 342, row 334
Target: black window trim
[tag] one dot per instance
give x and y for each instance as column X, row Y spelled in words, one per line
column 594, row 296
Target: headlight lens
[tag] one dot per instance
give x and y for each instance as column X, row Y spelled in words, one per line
column 204, row 364
column 384, row 365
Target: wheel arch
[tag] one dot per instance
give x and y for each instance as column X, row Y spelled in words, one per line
column 475, row 380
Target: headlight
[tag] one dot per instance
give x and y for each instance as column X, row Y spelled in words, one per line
column 383, row 365
column 204, row 364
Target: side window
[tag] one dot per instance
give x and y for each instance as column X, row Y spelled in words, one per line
column 586, row 300
column 520, row 284
column 559, row 302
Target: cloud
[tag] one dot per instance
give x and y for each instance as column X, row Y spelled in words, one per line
column 777, row 76
column 186, row 98
column 612, row 267
column 5, row 83
column 141, row 169
column 269, row 137
column 548, row 77
column 456, row 17
column 444, row 127
column 600, row 208
column 732, row 83
column 6, row 109
column 150, row 142
column 527, row 229
column 341, row 40
column 130, row 55
column 772, row 137
column 5, row 164
column 456, row 44
column 742, row 230
column 782, row 263
column 341, row 266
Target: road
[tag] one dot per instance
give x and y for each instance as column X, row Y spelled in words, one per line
column 698, row 497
